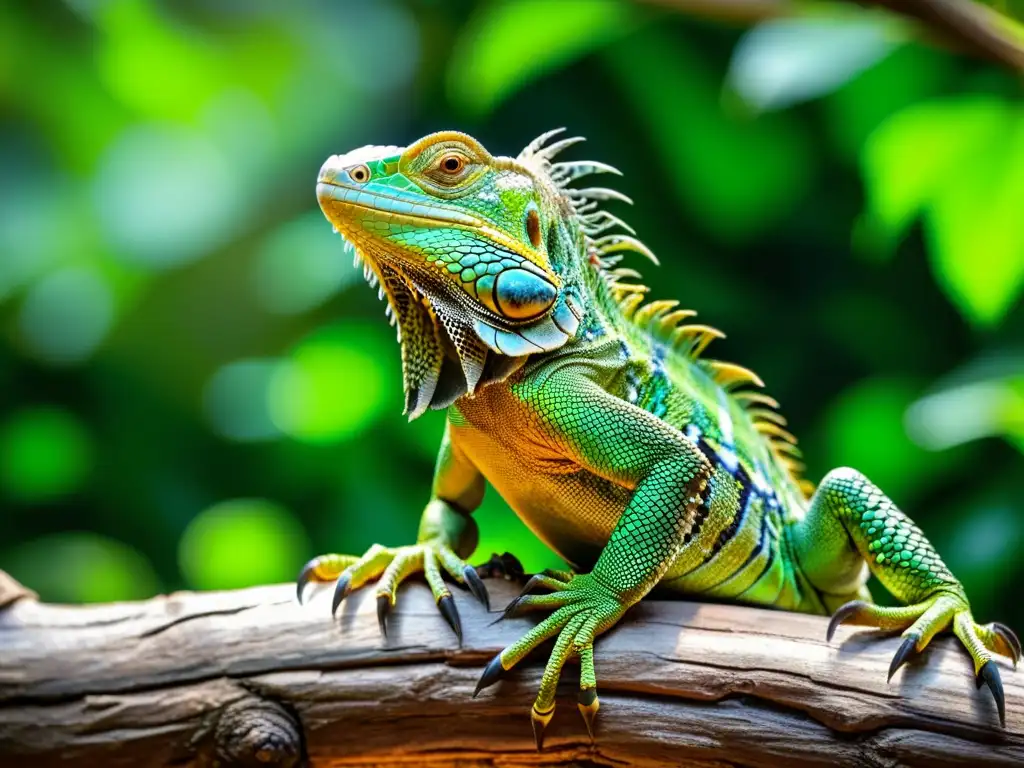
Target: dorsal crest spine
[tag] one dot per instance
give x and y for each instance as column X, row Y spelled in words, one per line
column 659, row 317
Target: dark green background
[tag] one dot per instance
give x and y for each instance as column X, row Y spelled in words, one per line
column 199, row 392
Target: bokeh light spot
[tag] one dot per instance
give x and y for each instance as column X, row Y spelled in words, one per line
column 45, row 453
column 165, row 195
column 864, row 429
column 332, row 387
column 301, row 265
column 235, row 400
column 347, row 36
column 240, row 543
column 80, row 567
column 66, row 315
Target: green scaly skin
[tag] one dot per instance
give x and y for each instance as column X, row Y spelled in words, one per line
column 596, row 417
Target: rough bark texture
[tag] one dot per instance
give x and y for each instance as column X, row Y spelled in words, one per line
column 251, row 678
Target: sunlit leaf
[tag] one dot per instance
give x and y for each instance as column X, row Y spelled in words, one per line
column 79, row 567
column 972, row 405
column 908, row 75
column 782, row 62
column 509, row 42
column 241, row 543
column 975, row 232
column 960, row 165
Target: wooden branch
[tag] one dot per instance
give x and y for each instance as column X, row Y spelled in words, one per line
column 252, row 678
column 963, row 25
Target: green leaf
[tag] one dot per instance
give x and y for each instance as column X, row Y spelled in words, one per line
column 959, row 164
column 508, row 43
column 979, row 401
column 974, row 228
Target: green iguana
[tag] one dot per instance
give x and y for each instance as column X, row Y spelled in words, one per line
column 597, row 418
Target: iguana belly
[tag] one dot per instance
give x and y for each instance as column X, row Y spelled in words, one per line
column 568, row 508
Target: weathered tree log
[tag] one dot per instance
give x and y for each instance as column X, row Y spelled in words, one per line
column 252, row 678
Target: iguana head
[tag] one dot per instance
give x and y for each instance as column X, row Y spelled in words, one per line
column 480, row 258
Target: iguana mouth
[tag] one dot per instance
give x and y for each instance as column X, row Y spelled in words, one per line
column 331, row 192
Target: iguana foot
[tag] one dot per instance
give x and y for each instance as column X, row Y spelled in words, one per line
column 921, row 621
column 391, row 566
column 583, row 609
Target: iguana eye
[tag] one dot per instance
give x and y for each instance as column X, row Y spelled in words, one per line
column 360, row 174
column 452, row 164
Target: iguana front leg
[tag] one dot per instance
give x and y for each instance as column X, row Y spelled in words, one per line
column 447, row 535
column 851, row 521
column 627, row 445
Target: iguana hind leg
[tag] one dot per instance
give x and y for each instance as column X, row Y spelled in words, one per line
column 849, row 521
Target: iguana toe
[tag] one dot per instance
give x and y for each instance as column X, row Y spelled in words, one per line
column 322, row 569
column 391, row 566
column 921, row 621
column 583, row 609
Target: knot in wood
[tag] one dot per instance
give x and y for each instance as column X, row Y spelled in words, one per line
column 256, row 733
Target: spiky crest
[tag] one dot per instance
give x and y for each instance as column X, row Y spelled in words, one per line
column 660, row 318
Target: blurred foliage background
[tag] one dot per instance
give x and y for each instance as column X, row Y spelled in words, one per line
column 198, row 391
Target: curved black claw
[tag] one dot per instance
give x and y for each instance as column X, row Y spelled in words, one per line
column 588, row 705
column 1010, row 637
column 446, row 605
column 476, row 586
column 989, row 675
column 843, row 612
column 903, row 654
column 341, row 591
column 304, row 577
column 492, row 673
column 531, row 585
column 512, row 609
column 383, row 609
column 540, row 722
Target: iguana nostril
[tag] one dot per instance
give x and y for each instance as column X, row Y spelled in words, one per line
column 520, row 295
